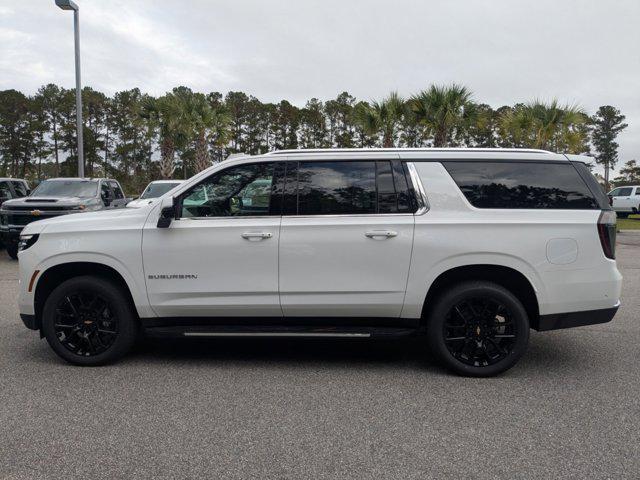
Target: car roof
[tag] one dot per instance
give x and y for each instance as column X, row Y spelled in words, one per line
column 76, row 179
column 166, row 181
column 5, row 179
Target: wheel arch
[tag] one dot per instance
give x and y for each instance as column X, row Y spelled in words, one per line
column 510, row 278
column 53, row 276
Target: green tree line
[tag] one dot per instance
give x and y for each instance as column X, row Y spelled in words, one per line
column 137, row 138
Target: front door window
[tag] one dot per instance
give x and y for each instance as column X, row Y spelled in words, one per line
column 241, row 191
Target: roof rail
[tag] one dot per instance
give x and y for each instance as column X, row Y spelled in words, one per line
column 425, row 149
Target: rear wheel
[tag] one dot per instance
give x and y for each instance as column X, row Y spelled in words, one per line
column 89, row 321
column 623, row 214
column 478, row 329
column 12, row 250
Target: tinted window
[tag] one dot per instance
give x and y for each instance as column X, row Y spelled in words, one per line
column 393, row 191
column 624, row 192
column 66, row 188
column 521, row 185
column 328, row 188
column 20, row 189
column 244, row 190
column 638, row 191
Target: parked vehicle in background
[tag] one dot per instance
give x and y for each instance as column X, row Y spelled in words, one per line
column 154, row 190
column 54, row 197
column 625, row 200
column 468, row 247
column 11, row 188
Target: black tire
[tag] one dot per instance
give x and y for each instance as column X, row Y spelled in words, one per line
column 623, row 214
column 12, row 250
column 74, row 313
column 459, row 327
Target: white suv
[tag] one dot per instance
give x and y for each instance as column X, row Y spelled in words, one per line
column 470, row 247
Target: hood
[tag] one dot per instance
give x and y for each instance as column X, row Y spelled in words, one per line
column 140, row 202
column 79, row 222
column 57, row 202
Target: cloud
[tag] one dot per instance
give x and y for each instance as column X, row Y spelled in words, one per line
column 506, row 51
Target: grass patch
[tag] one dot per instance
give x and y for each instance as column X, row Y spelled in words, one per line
column 632, row 222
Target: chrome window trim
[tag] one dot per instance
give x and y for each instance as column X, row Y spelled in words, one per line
column 423, row 204
column 230, row 217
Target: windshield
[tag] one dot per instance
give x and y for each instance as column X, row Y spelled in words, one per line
column 66, row 188
column 155, row 190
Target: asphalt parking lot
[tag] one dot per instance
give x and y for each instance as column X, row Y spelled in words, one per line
column 324, row 409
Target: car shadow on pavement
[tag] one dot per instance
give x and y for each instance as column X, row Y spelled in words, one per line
column 546, row 351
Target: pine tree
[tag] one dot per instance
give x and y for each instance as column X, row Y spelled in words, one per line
column 608, row 122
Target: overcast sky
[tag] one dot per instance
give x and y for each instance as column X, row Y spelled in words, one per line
column 506, row 51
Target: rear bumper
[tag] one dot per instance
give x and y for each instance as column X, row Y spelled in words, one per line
column 556, row 321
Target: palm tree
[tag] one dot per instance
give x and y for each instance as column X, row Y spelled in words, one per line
column 210, row 127
column 546, row 126
column 168, row 115
column 443, row 110
column 381, row 118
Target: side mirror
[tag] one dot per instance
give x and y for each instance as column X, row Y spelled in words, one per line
column 167, row 214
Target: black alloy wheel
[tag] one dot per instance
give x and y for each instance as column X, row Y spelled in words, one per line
column 89, row 321
column 479, row 331
column 478, row 328
column 85, row 324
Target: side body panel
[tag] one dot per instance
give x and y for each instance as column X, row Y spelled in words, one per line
column 453, row 233
column 330, row 267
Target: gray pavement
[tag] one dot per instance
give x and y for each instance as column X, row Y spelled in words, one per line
column 324, row 409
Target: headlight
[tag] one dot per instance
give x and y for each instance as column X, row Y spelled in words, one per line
column 26, row 241
column 78, row 207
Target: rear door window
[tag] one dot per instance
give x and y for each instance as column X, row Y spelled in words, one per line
column 351, row 187
column 337, row 188
column 522, row 185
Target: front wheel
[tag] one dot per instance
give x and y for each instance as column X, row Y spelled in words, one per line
column 12, row 250
column 89, row 321
column 478, row 329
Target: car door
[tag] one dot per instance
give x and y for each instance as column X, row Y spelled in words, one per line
column 220, row 257
column 346, row 238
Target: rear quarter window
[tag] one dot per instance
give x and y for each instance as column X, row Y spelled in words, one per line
column 521, row 185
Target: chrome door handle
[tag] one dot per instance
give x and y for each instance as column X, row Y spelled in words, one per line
column 381, row 233
column 256, row 235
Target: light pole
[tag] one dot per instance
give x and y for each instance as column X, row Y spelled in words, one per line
column 69, row 5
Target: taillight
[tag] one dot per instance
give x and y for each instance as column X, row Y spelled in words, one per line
column 610, row 200
column 607, row 233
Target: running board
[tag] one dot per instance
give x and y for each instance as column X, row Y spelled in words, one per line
column 278, row 331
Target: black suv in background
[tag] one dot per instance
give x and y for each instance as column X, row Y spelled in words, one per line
column 54, row 197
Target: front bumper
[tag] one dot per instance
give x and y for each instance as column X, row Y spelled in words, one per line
column 11, row 233
column 556, row 321
column 30, row 321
